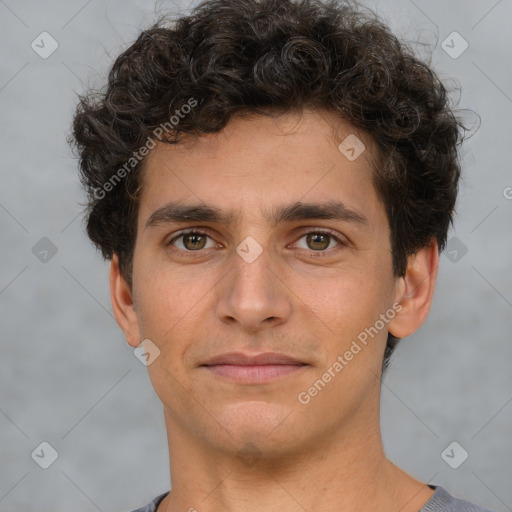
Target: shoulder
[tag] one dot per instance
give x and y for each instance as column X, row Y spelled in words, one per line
column 443, row 501
column 152, row 505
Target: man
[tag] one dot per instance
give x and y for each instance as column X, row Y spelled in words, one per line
column 273, row 182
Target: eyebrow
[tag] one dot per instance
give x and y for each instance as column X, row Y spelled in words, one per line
column 333, row 210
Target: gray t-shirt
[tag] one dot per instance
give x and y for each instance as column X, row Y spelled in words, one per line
column 440, row 501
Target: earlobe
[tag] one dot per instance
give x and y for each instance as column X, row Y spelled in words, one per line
column 123, row 305
column 415, row 291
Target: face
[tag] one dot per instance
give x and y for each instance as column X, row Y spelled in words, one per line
column 264, row 240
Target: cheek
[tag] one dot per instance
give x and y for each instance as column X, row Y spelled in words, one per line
column 332, row 295
column 169, row 300
column 342, row 305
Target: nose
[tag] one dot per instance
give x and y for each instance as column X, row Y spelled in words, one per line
column 251, row 295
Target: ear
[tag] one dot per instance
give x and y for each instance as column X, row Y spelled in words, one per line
column 415, row 291
column 123, row 305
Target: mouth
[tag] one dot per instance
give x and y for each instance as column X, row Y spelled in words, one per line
column 253, row 369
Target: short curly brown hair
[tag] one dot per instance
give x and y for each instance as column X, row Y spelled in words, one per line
column 263, row 56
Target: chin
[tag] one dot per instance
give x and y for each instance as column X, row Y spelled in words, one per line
column 255, row 425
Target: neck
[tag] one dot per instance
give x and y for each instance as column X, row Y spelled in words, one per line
column 347, row 472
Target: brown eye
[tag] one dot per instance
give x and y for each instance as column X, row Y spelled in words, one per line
column 318, row 241
column 192, row 241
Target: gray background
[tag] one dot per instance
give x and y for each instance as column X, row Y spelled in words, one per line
column 69, row 378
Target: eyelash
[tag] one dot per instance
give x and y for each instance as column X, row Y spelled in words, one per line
column 316, row 254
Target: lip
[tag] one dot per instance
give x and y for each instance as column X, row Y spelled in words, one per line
column 253, row 368
column 264, row 358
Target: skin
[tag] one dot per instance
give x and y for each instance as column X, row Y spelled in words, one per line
column 236, row 446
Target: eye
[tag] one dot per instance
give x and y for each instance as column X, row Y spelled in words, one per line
column 192, row 241
column 318, row 241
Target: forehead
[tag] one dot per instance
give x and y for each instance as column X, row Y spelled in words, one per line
column 257, row 162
